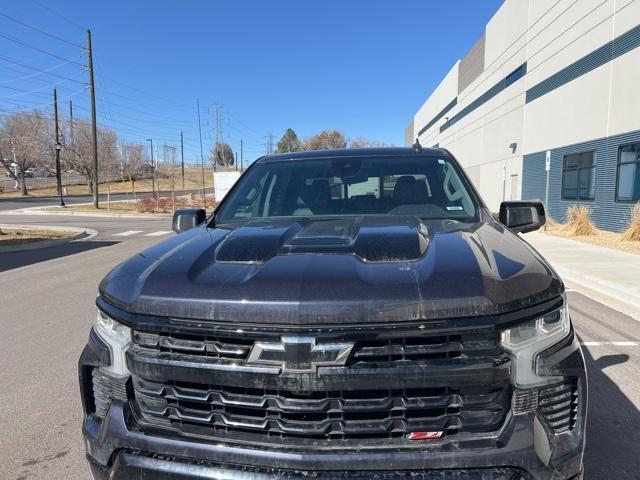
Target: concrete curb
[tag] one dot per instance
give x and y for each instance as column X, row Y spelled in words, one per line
column 81, row 234
column 40, row 211
column 614, row 296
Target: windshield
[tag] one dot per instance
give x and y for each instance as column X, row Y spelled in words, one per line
column 424, row 186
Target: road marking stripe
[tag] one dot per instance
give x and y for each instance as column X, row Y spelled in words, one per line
column 159, row 233
column 127, row 233
column 617, row 344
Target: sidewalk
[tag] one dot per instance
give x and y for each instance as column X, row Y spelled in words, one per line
column 54, row 210
column 606, row 275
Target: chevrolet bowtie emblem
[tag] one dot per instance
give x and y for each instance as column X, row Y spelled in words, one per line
column 299, row 354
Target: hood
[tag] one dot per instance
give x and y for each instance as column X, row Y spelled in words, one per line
column 347, row 271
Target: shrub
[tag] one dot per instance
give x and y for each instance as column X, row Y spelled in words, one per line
column 579, row 221
column 632, row 233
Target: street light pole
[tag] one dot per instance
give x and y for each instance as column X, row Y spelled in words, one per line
column 153, row 170
column 57, row 146
column 182, row 157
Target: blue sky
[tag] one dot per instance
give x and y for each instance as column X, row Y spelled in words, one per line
column 363, row 67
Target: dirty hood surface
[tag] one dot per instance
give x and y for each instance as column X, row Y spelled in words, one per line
column 347, row 271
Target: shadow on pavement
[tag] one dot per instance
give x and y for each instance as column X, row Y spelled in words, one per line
column 11, row 260
column 613, row 424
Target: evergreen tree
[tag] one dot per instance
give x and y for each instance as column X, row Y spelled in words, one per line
column 289, row 142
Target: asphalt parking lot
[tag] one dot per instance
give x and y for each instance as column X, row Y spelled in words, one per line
column 48, row 307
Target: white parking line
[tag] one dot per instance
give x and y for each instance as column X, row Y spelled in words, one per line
column 159, row 233
column 127, row 233
column 616, row 344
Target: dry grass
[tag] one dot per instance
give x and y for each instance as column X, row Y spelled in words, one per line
column 167, row 205
column 632, row 233
column 163, row 205
column 16, row 236
column 579, row 221
column 192, row 181
column 115, row 207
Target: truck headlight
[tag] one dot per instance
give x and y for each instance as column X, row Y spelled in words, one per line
column 526, row 340
column 118, row 337
column 111, row 382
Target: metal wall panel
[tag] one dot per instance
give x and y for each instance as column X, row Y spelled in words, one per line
column 441, row 114
column 606, row 213
column 408, row 135
column 608, row 52
column 472, row 65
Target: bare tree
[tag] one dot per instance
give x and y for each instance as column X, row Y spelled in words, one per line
column 134, row 158
column 326, row 140
column 361, row 142
column 107, row 154
column 170, row 170
column 79, row 151
column 222, row 155
column 21, row 146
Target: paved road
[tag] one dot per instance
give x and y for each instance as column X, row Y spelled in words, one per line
column 48, row 307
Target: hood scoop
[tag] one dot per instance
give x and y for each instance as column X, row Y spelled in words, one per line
column 373, row 239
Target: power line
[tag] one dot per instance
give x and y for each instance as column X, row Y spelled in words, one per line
column 36, row 106
column 36, row 29
column 59, row 15
column 24, row 92
column 117, row 82
column 32, row 75
column 37, row 49
column 25, row 65
column 157, row 105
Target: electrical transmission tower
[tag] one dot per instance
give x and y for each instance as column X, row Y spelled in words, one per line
column 219, row 115
column 270, row 139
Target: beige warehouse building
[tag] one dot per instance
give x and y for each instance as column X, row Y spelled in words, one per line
column 551, row 82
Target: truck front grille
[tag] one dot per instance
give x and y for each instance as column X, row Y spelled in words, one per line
column 322, row 415
column 365, row 353
column 397, row 380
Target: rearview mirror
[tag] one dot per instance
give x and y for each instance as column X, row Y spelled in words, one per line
column 187, row 218
column 522, row 217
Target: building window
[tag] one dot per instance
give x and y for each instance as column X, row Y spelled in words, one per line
column 516, row 75
column 628, row 185
column 579, row 176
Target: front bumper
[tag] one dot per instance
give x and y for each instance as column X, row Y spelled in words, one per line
column 118, row 449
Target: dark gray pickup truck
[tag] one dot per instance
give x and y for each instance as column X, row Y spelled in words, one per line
column 341, row 314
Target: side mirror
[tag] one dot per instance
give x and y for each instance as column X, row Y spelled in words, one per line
column 187, row 218
column 522, row 217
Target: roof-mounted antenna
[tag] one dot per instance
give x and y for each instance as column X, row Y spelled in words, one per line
column 417, row 148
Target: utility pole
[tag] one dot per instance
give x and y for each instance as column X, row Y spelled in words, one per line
column 236, row 161
column 204, row 192
column 57, row 146
column 71, row 139
column 153, row 170
column 94, row 128
column 182, row 157
column 241, row 156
